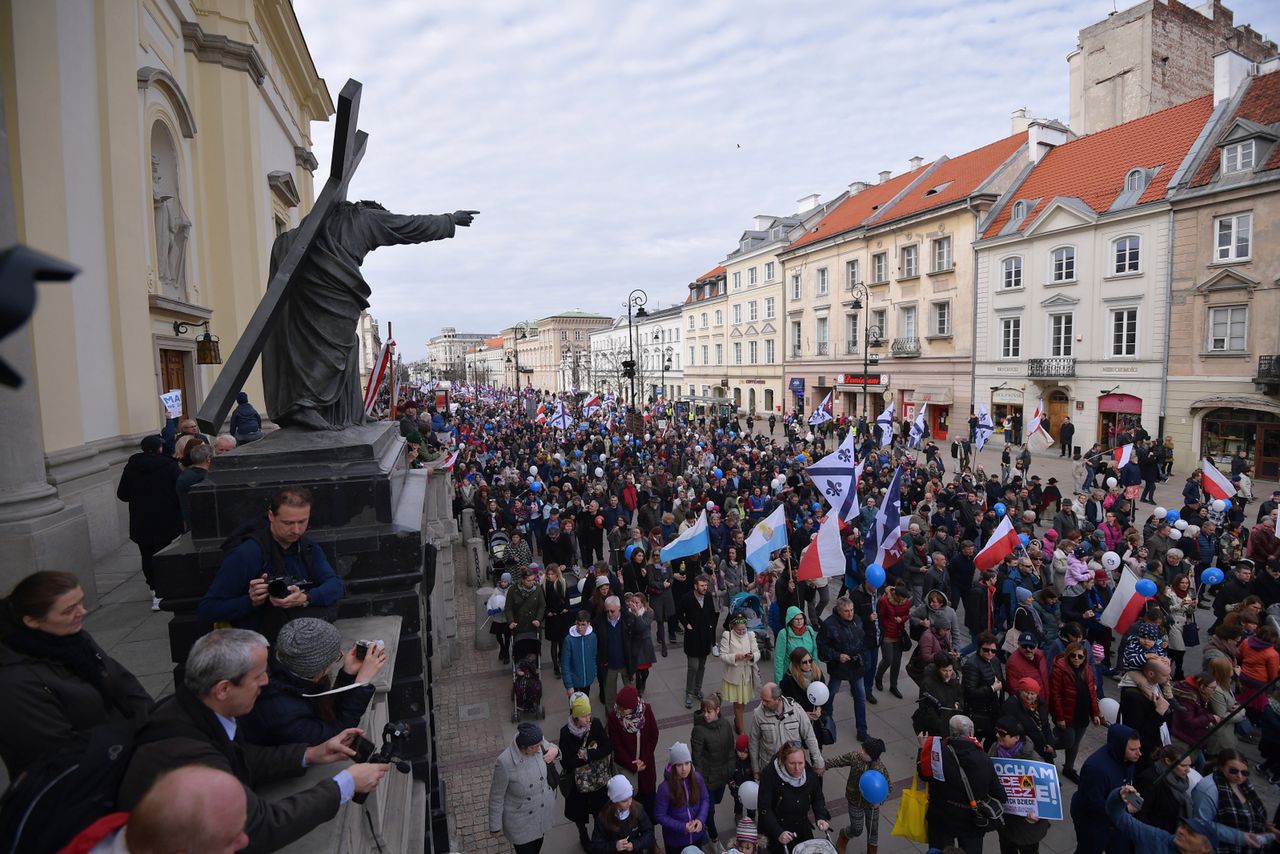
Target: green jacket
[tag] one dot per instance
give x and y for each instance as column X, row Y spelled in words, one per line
column 525, row 606
column 787, row 640
column 712, row 746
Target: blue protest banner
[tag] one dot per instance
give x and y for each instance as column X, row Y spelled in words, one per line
column 1032, row 788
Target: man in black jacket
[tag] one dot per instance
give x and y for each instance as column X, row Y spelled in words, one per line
column 699, row 618
column 149, row 485
column 840, row 645
column 864, row 606
column 225, row 671
column 615, row 656
column 950, row 816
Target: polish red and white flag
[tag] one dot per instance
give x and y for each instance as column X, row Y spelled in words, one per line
column 1125, row 605
column 1004, row 539
column 1123, row 454
column 1214, row 482
column 824, row 556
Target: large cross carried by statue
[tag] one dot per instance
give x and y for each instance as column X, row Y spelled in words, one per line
column 304, row 329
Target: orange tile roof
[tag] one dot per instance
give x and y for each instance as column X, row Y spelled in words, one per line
column 718, row 271
column 1093, row 168
column 857, row 209
column 1261, row 104
column 496, row 341
column 965, row 174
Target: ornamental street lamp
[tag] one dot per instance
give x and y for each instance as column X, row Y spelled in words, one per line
column 636, row 299
column 568, row 353
column 519, row 332
column 872, row 337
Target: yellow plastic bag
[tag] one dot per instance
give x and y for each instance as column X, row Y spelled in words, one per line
column 911, row 823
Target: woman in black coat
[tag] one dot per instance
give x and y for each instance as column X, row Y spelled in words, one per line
column 583, row 739
column 789, row 791
column 57, row 683
column 148, row 485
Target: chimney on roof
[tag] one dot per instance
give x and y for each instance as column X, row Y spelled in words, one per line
column 885, row 176
column 1230, row 70
column 1269, row 65
column 916, row 162
column 857, row 187
column 1043, row 136
column 808, row 203
column 1019, row 120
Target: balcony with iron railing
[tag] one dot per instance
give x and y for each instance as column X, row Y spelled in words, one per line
column 1063, row 366
column 851, row 347
column 822, row 348
column 1268, row 370
column 905, row 347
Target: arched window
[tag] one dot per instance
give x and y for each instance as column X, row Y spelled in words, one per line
column 1062, row 264
column 1135, row 180
column 1126, row 255
column 1020, row 211
column 1011, row 272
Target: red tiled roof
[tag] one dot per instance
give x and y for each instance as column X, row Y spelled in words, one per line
column 1093, row 168
column 1261, row 104
column 965, row 174
column 718, row 271
column 856, row 209
column 496, row 341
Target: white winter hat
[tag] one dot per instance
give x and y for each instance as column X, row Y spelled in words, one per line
column 619, row 788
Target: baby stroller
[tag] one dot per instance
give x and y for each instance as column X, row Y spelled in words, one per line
column 498, row 560
column 526, row 677
column 756, row 624
column 813, row 846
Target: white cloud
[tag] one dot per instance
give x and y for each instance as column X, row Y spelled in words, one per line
column 601, row 140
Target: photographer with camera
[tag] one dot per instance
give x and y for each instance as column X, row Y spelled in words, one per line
column 270, row 571
column 199, row 725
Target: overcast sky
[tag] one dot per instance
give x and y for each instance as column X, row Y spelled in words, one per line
column 612, row 145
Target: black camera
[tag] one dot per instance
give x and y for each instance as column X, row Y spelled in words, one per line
column 394, row 736
column 278, row 586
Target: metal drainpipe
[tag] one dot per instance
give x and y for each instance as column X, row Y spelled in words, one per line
column 1168, row 321
column 973, row 328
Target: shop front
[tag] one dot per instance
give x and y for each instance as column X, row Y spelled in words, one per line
column 1004, row 403
column 1116, row 413
column 795, row 387
column 937, row 413
column 853, row 389
column 1224, row 432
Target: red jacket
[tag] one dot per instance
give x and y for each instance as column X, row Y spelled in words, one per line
column 890, row 628
column 630, row 746
column 1018, row 667
column 1062, row 691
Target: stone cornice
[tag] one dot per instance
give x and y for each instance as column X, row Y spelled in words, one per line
column 305, row 158
column 229, row 53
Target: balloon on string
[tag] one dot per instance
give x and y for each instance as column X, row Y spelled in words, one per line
column 999, row 508
column 1226, row 505
column 749, row 792
column 815, row 507
column 599, row 472
column 818, row 693
column 1111, row 560
column 629, row 551
column 533, row 469
column 577, row 452
column 1191, row 531
column 873, row 786
column 1211, row 576
column 1218, row 505
column 718, row 472
column 711, row 505
column 1175, row 534
column 1111, row 482
column 535, row 487
column 1172, row 516
column 1159, row 512
column 1181, row 524
column 529, row 479
column 1146, row 587
column 801, row 459
column 1024, row 539
column 875, row 575
column 1110, row 708
column 604, row 457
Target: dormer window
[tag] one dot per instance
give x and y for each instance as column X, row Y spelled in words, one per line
column 1135, row 180
column 1020, row 211
column 1239, row 157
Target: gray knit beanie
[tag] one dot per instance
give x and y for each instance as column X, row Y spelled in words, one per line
column 307, row 646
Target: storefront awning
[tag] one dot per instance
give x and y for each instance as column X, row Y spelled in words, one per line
column 940, row 396
column 1237, row 401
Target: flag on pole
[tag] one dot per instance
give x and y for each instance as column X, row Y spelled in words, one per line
column 1037, row 435
column 767, row 537
column 885, row 544
column 375, row 379
column 1214, row 482
column 985, row 427
column 591, row 405
column 1123, row 454
column 836, row 477
column 823, row 413
column 450, row 461
column 540, row 417
column 560, row 419
column 395, row 386
column 1125, row 605
column 693, row 541
column 884, row 421
column 918, row 427
column 1004, row 539
column 824, row 556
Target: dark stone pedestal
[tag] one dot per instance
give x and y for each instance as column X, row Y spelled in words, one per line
column 367, row 515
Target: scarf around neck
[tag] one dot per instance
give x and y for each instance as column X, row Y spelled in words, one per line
column 75, row 652
column 578, row 731
column 787, row 778
column 633, row 721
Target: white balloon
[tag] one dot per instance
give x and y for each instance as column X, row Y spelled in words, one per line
column 1111, row 560
column 1109, row 707
column 818, row 694
column 1175, row 534
column 749, row 792
column 1218, row 505
column 599, row 472
column 603, row 458
column 533, row 469
column 808, row 437
column 1160, row 512
column 1111, row 482
column 530, row 478
column 711, row 505
column 1191, row 531
column 1182, row 524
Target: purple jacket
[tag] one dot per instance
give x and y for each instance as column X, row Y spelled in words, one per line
column 674, row 818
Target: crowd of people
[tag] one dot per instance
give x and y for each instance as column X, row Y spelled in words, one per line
column 1014, row 659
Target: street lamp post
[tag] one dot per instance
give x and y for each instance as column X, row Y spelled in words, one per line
column 567, row 353
column 519, row 332
column 636, row 299
column 871, row 337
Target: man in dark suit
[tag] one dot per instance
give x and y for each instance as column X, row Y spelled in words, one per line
column 699, row 618
column 1066, row 432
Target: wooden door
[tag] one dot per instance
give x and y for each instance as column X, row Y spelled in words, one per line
column 173, row 374
column 1267, row 456
column 1056, row 409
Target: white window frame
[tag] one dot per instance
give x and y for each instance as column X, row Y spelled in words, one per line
column 1135, row 180
column 942, row 262
column 692, row 322
column 1020, row 211
column 1230, row 311
column 880, row 268
column 822, row 336
column 1011, row 267
column 907, row 317
column 796, row 287
column 1239, row 157
column 768, row 271
column 1064, row 348
column 770, row 308
column 753, row 352
column 719, row 317
column 736, row 311
column 880, row 318
column 820, row 282
column 752, row 311
column 706, row 354
column 1121, row 349
column 769, row 354
column 796, row 338
column 852, row 323
column 705, row 325
column 942, row 319
column 851, row 273
column 1238, row 229
column 1130, row 262
column 910, row 261
column 751, row 276
column 737, row 352
column 1060, row 259
column 737, row 280
column 693, row 356
column 1010, row 342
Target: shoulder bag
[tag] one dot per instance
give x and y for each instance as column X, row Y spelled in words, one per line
column 986, row 812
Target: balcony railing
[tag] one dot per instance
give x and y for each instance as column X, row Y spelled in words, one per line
column 1268, row 369
column 822, row 349
column 1059, row 367
column 851, row 347
column 905, row 347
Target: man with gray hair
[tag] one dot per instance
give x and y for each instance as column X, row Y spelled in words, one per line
column 225, row 671
column 776, row 721
column 224, row 443
column 199, row 457
column 950, row 816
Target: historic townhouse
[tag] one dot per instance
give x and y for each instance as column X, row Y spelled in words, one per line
column 888, row 276
column 705, row 335
column 1224, row 342
column 1072, row 276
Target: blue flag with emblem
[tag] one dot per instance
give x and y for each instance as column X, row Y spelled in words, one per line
column 768, row 536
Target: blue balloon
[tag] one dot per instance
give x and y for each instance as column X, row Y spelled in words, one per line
column 630, row 550
column 717, row 472
column 1024, row 539
column 800, row 458
column 535, row 487
column 1146, row 587
column 875, row 575
column 699, row 446
column 1172, row 516
column 999, row 508
column 1211, row 576
column 577, row 452
column 1226, row 505
column 732, row 435
column 873, row 786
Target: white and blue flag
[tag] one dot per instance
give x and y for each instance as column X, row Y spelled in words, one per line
column 917, row 427
column 836, row 477
column 768, row 536
column 985, row 428
column 884, row 421
column 691, row 542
